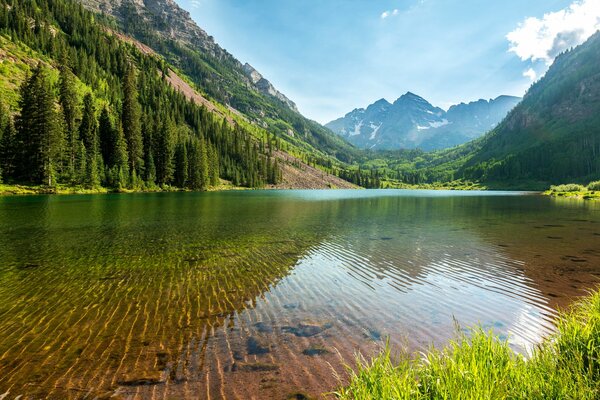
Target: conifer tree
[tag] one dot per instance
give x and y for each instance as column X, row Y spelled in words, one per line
column 69, row 103
column 164, row 150
column 213, row 165
column 88, row 134
column 181, row 165
column 131, row 121
column 8, row 150
column 106, row 137
column 38, row 130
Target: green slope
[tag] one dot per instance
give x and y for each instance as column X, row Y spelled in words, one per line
column 553, row 135
column 170, row 32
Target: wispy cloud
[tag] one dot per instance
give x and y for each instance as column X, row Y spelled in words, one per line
column 390, row 13
column 194, row 3
column 544, row 38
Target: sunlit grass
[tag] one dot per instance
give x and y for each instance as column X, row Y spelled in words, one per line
column 591, row 191
column 479, row 365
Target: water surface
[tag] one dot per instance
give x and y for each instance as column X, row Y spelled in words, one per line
column 265, row 294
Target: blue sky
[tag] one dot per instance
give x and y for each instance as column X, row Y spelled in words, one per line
column 331, row 56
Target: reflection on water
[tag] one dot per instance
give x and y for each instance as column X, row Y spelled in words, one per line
column 265, row 294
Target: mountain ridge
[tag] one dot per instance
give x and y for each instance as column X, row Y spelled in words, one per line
column 412, row 122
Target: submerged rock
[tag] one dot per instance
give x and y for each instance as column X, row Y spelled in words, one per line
column 306, row 330
column 253, row 367
column 148, row 378
column 373, row 334
column 263, row 327
column 255, row 347
column 315, row 351
column 298, row 396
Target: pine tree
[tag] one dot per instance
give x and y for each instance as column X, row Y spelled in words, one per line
column 106, row 138
column 8, row 151
column 181, row 165
column 131, row 120
column 164, row 150
column 69, row 101
column 119, row 170
column 213, row 165
column 88, row 134
column 38, row 130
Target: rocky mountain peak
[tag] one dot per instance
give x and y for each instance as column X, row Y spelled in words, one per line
column 411, row 122
column 170, row 21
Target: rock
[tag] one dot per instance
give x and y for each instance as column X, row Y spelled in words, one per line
column 147, row 378
column 255, row 347
column 306, row 330
column 263, row 327
column 315, row 351
column 253, row 367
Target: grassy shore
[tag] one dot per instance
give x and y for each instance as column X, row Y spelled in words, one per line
column 7, row 190
column 454, row 185
column 589, row 192
column 481, row 366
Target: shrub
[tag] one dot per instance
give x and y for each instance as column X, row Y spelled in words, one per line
column 594, row 186
column 569, row 187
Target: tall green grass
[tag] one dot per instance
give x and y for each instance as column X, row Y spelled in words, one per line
column 478, row 365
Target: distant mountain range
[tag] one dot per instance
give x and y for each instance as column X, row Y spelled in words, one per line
column 412, row 122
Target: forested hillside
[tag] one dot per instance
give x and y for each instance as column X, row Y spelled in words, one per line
column 553, row 135
column 168, row 30
column 82, row 106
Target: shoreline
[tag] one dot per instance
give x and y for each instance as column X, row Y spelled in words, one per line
column 60, row 190
column 584, row 195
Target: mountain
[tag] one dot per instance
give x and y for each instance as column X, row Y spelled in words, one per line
column 169, row 31
column 553, row 135
column 134, row 95
column 266, row 87
column 412, row 122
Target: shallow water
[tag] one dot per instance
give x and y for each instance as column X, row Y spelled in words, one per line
column 264, row 294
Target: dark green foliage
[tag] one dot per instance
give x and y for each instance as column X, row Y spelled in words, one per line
column 88, row 134
column 554, row 134
column 181, row 165
column 164, row 152
column 131, row 119
column 69, row 103
column 146, row 133
column 39, row 139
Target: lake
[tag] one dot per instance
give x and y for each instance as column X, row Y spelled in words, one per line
column 267, row 294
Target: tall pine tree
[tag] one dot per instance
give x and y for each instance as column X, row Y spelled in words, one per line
column 38, row 130
column 164, row 151
column 88, row 134
column 69, row 103
column 131, row 122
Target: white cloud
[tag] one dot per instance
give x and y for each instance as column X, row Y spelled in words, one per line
column 391, row 13
column 543, row 39
column 531, row 74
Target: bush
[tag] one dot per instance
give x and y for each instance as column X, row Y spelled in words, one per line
column 594, row 186
column 569, row 187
